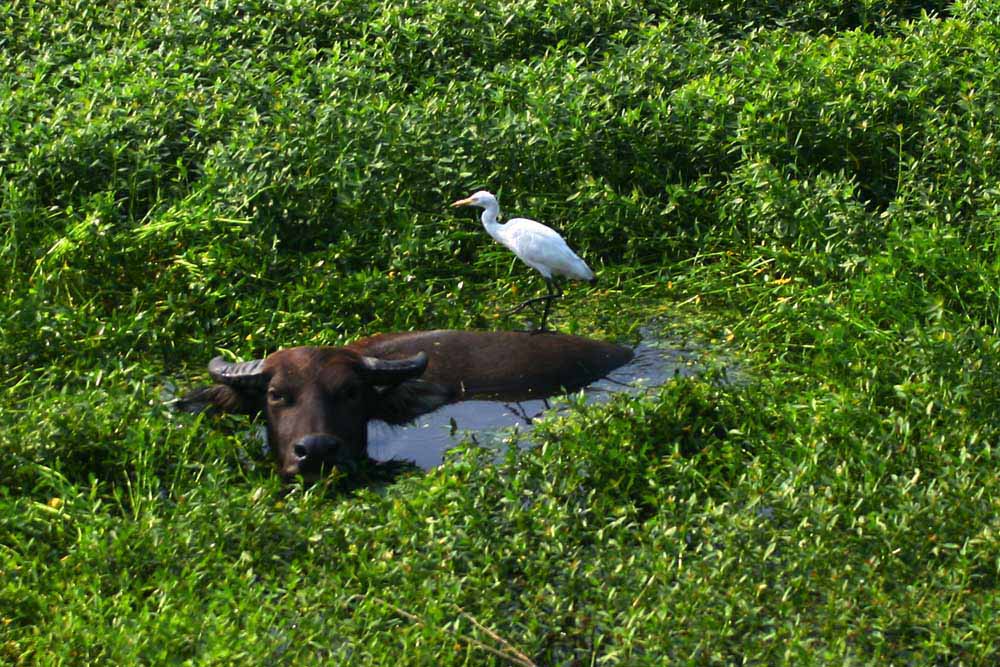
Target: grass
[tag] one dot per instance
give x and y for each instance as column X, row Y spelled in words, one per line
column 812, row 186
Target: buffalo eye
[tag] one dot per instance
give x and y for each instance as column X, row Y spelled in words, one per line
column 350, row 392
column 277, row 397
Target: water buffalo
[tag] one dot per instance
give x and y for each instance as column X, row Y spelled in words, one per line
column 318, row 400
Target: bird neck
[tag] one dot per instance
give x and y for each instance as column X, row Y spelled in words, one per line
column 489, row 219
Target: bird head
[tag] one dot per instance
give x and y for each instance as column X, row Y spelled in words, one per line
column 481, row 199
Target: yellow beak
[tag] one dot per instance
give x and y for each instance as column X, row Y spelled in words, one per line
column 462, row 202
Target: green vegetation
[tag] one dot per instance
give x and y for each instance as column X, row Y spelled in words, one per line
column 815, row 184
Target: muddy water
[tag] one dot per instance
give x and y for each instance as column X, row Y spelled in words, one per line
column 426, row 440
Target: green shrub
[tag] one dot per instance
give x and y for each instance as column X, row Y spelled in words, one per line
column 804, row 193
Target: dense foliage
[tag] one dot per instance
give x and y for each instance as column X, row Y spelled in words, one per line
column 816, row 185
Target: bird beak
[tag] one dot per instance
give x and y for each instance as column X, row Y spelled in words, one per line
column 462, row 202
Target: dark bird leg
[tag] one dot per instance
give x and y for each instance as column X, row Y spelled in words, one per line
column 554, row 293
column 532, row 301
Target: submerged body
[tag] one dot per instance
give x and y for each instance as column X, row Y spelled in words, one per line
column 505, row 365
column 318, row 400
column 535, row 244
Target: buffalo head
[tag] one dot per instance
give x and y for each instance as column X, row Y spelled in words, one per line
column 318, row 400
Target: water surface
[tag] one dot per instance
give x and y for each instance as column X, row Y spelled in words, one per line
column 425, row 441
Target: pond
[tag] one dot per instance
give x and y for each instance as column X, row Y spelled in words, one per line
column 425, row 441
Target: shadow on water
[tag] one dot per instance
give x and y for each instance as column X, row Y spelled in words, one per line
column 426, row 440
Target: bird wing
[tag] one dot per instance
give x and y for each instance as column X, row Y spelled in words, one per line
column 543, row 249
column 523, row 235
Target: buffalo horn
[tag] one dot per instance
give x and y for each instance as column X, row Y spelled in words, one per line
column 393, row 371
column 241, row 374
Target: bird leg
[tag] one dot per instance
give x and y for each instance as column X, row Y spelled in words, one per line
column 531, row 302
column 554, row 292
column 548, row 304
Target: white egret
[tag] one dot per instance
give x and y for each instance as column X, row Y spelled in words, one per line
column 536, row 245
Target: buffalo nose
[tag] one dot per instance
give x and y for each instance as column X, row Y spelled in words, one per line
column 315, row 447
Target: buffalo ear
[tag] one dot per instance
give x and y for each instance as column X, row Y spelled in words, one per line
column 408, row 400
column 221, row 398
